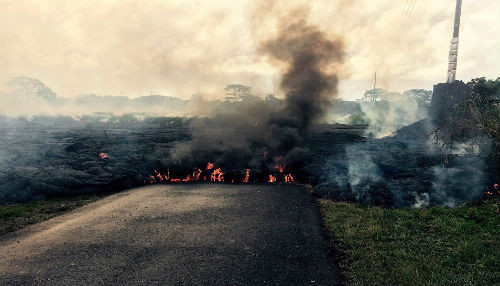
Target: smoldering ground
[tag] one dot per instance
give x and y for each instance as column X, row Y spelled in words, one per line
column 407, row 169
column 53, row 156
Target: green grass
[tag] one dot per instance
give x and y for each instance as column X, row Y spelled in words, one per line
column 433, row 246
column 16, row 216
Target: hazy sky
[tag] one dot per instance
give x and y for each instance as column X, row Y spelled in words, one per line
column 186, row 47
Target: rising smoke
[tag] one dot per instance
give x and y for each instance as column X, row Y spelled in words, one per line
column 259, row 136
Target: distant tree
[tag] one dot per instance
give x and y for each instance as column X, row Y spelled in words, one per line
column 270, row 98
column 237, row 92
column 380, row 94
column 422, row 96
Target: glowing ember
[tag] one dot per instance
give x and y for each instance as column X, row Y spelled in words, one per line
column 493, row 192
column 247, row 176
column 210, row 166
column 217, row 176
column 272, row 179
column 103, row 155
column 280, row 166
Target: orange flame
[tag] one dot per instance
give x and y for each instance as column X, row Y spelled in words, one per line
column 210, row 166
column 272, row 179
column 158, row 175
column 247, row 176
column 217, row 175
column 196, row 175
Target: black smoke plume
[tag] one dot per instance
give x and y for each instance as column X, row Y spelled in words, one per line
column 259, row 135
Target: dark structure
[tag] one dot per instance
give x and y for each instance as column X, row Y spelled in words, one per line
column 445, row 96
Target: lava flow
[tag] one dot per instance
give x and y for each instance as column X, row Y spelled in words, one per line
column 103, row 155
column 217, row 175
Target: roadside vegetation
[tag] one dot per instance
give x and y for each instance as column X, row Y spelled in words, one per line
column 435, row 246
column 17, row 216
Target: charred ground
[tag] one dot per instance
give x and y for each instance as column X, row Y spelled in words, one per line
column 58, row 156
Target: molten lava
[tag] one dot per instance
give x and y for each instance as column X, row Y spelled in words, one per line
column 247, row 176
column 103, row 155
column 213, row 174
column 272, row 179
column 217, row 176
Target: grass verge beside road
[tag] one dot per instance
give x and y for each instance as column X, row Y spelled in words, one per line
column 435, row 246
column 16, row 216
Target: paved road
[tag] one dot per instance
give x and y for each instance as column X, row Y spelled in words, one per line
column 177, row 235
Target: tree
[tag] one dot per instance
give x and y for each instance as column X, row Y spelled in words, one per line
column 422, row 96
column 475, row 120
column 237, row 92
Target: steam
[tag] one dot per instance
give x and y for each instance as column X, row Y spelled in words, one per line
column 385, row 117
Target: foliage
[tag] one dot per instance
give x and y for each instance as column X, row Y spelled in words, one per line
column 435, row 246
column 237, row 92
column 422, row 96
column 16, row 216
column 474, row 119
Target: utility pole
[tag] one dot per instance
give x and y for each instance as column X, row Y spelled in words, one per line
column 374, row 93
column 453, row 57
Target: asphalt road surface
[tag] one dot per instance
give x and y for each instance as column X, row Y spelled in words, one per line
column 177, row 235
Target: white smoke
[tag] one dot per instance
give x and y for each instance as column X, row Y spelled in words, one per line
column 385, row 117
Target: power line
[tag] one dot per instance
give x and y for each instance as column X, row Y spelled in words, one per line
column 405, row 7
column 405, row 11
column 410, row 11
